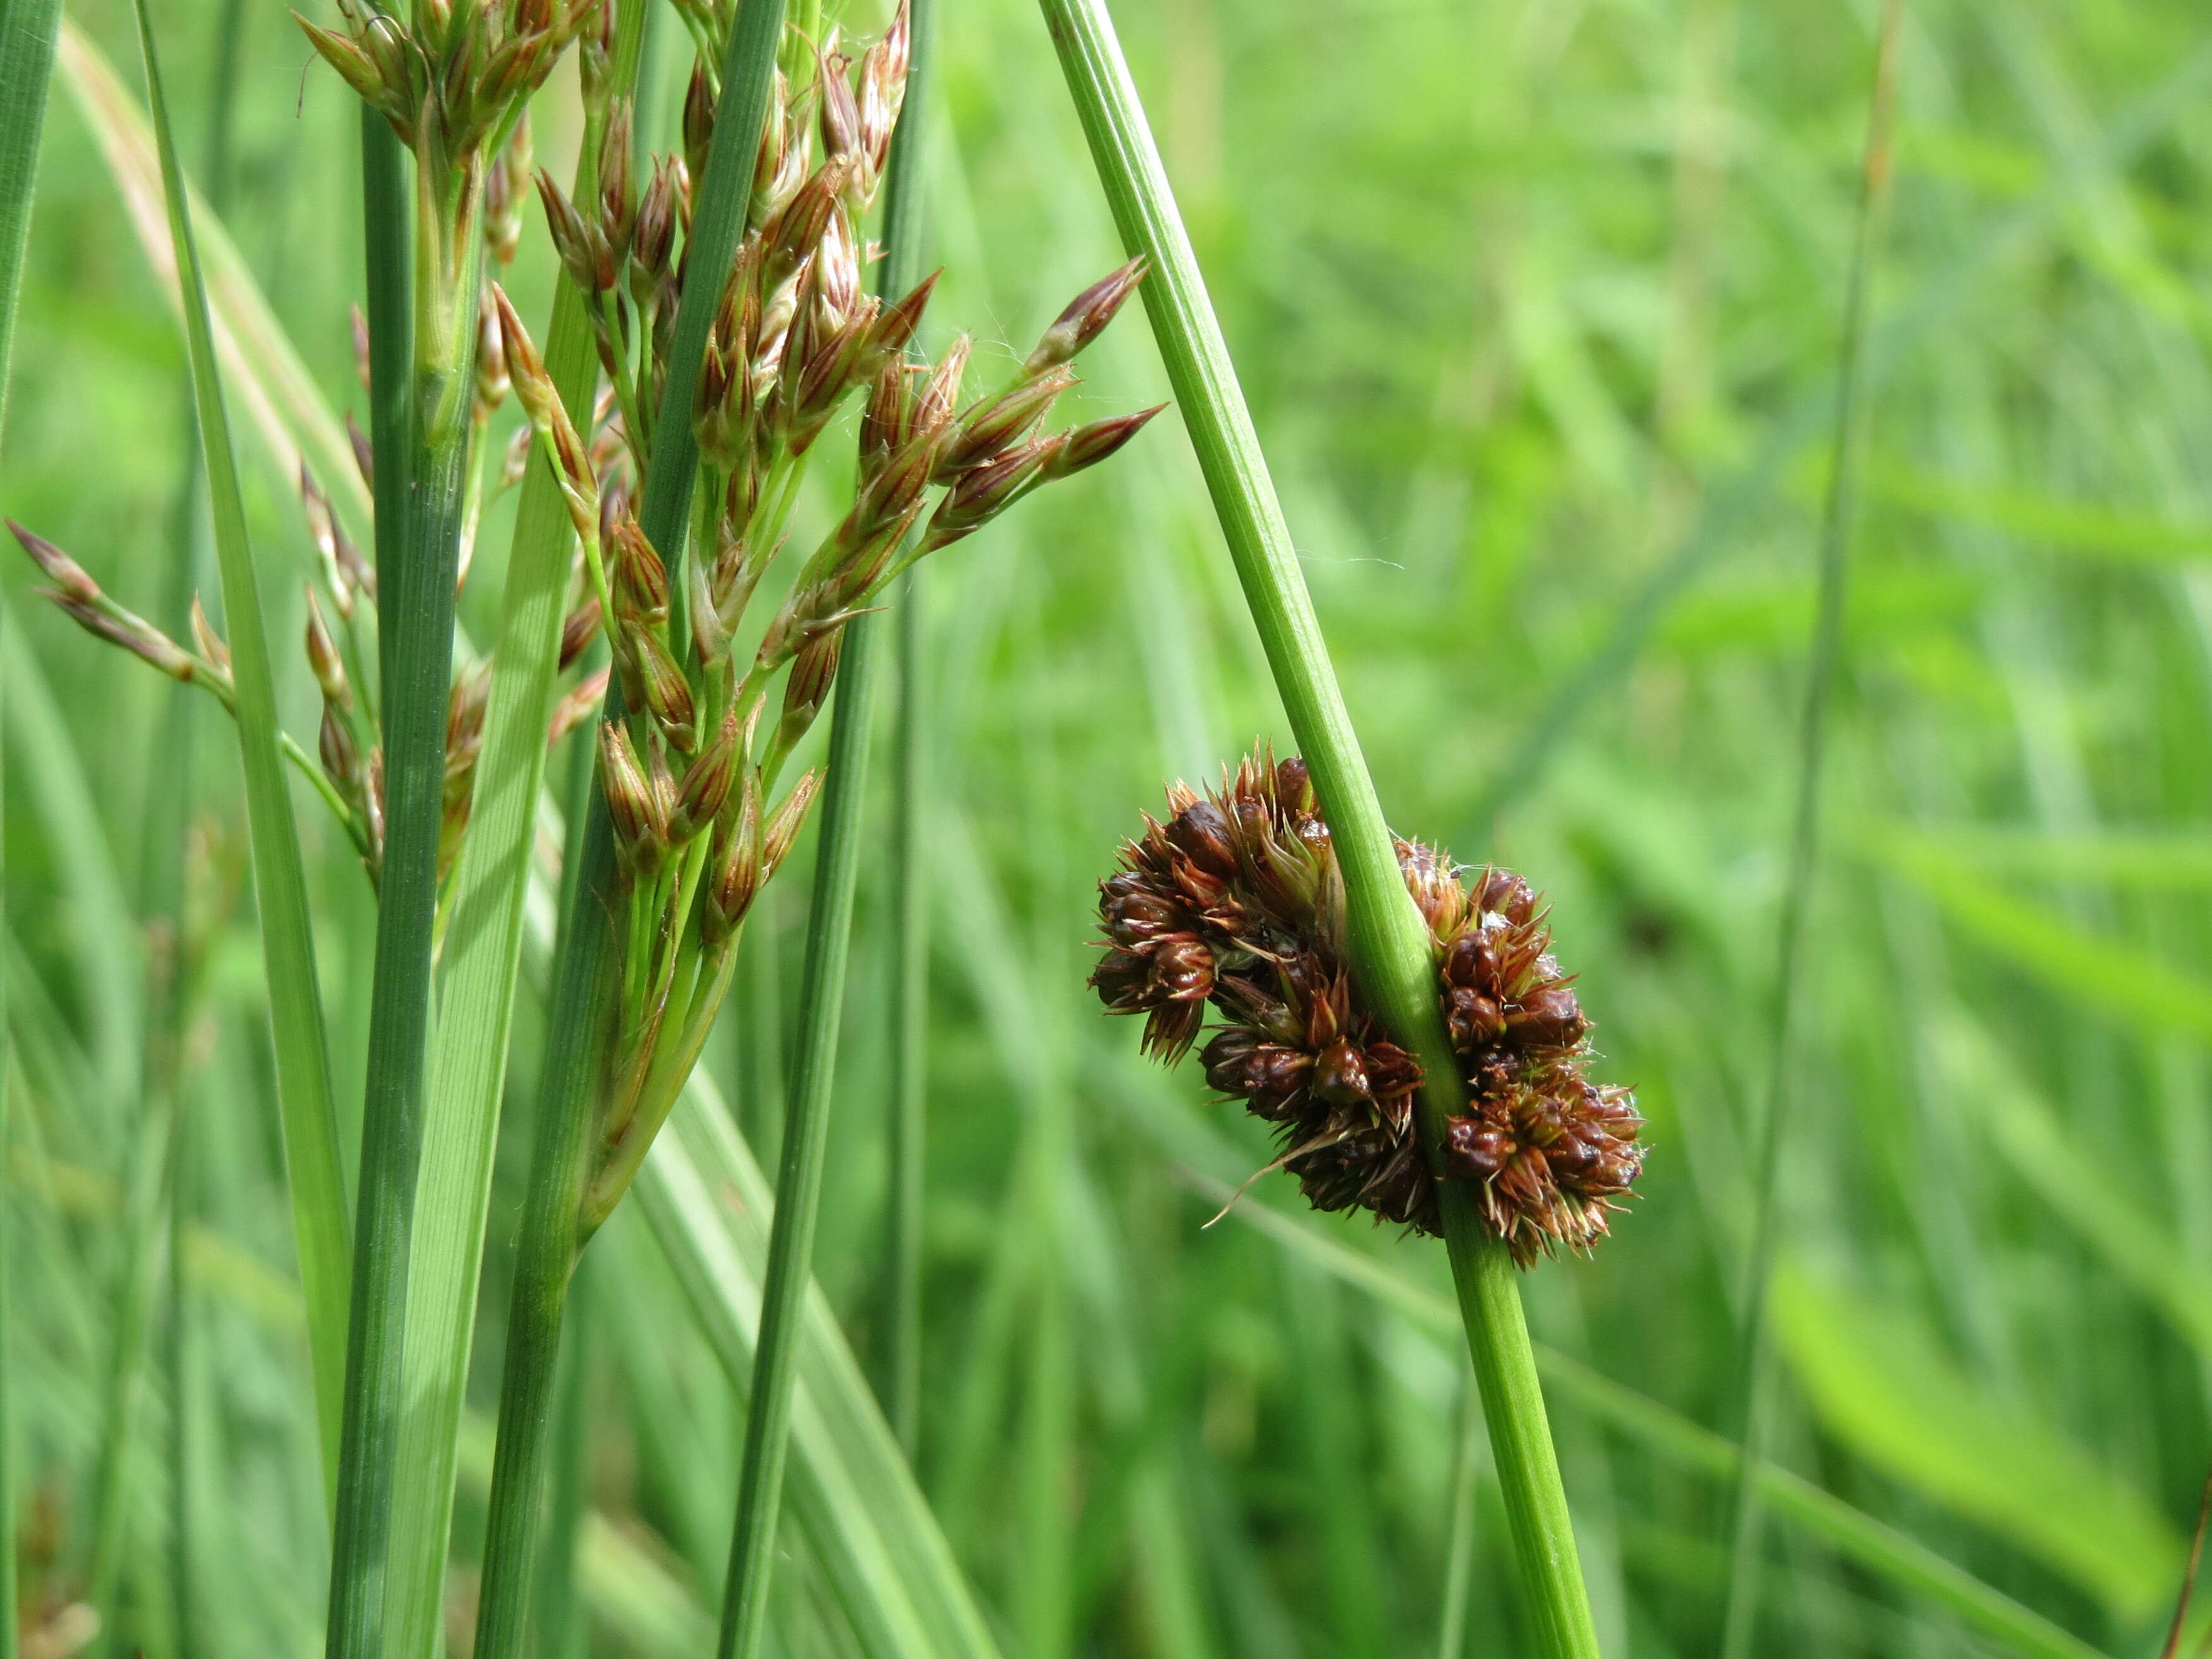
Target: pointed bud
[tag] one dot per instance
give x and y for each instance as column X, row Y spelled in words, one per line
column 998, row 423
column 940, row 393
column 492, row 378
column 640, row 581
column 364, row 453
column 353, row 64
column 797, row 229
column 66, row 574
column 984, row 492
column 464, row 713
column 573, row 239
column 617, row 191
column 775, row 152
column 577, row 629
column 840, row 109
column 133, row 633
column 639, row 825
column 705, row 782
column 323, row 529
column 212, row 649
column 655, row 239
column 813, row 671
column 324, row 659
column 667, row 692
column 883, row 90
column 1087, row 446
column 340, row 754
column 737, row 866
column 784, row 824
column 1086, row 315
column 710, row 639
column 896, row 327
column 361, row 358
column 699, row 120
column 884, row 417
column 506, row 184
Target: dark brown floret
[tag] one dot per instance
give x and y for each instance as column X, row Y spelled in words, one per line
column 1236, row 902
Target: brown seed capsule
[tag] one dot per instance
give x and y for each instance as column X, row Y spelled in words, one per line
column 1243, row 881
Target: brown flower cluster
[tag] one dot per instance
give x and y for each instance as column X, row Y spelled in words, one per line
column 1236, row 902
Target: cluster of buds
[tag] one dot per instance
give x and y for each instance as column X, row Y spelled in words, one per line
column 452, row 77
column 694, row 765
column 1236, row 902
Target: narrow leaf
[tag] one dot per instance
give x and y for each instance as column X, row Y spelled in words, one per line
column 1881, row 1386
column 310, row 1120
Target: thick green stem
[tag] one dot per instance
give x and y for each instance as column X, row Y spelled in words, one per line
column 1753, row 1384
column 27, row 29
column 415, row 586
column 822, row 998
column 909, row 1081
column 1389, row 944
column 586, row 978
column 483, row 950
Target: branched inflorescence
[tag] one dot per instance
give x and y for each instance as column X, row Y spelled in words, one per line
column 705, row 712
column 693, row 764
column 1236, row 902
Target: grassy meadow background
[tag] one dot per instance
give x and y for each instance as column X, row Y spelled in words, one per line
column 1537, row 303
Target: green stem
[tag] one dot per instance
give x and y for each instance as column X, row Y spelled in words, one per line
column 909, row 905
column 9, row 1621
column 909, row 1080
column 415, row 586
column 586, row 978
column 1388, row 942
column 469, row 1049
column 806, row 1136
column 821, row 1003
column 1753, row 1384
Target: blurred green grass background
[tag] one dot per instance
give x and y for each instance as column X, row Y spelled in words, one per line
column 1537, row 304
